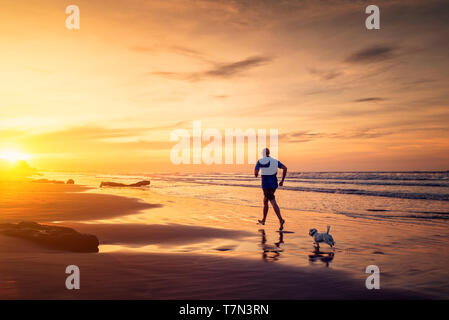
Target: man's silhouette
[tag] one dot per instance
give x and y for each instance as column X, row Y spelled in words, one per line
column 269, row 167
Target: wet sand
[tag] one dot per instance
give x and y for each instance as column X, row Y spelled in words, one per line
column 29, row 272
column 46, row 202
column 176, row 249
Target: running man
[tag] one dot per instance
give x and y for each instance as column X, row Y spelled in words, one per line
column 269, row 167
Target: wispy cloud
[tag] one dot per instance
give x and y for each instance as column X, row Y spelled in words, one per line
column 231, row 69
column 299, row 136
column 325, row 74
column 219, row 70
column 221, row 96
column 175, row 49
column 372, row 54
column 90, row 139
column 370, row 99
column 306, row 136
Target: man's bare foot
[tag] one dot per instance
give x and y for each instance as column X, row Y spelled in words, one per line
column 262, row 222
column 282, row 225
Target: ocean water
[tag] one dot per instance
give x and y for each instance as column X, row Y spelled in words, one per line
column 416, row 197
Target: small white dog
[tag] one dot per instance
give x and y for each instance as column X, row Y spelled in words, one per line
column 322, row 237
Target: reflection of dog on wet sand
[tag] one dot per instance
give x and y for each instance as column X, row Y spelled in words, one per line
column 322, row 237
column 324, row 257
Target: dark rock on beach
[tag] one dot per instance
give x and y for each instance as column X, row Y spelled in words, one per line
column 70, row 181
column 55, row 237
column 115, row 184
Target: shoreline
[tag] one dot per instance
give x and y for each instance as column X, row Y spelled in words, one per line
column 163, row 276
column 205, row 238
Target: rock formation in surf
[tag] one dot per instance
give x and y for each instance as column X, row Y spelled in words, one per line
column 116, row 184
column 54, row 237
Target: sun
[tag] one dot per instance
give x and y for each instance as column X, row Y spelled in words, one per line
column 14, row 156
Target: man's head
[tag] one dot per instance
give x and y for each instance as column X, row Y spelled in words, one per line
column 265, row 152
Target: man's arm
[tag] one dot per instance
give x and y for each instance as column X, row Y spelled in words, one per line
column 284, row 173
column 256, row 169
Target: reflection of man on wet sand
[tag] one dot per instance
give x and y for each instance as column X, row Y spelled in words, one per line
column 266, row 249
column 269, row 167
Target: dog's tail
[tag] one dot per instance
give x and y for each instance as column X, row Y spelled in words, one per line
column 328, row 229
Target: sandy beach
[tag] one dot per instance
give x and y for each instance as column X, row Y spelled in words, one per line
column 181, row 248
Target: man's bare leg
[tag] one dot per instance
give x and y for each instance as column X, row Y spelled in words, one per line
column 278, row 213
column 265, row 211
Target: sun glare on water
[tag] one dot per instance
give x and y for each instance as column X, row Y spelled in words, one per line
column 14, row 156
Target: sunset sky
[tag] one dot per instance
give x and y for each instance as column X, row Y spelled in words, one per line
column 107, row 96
